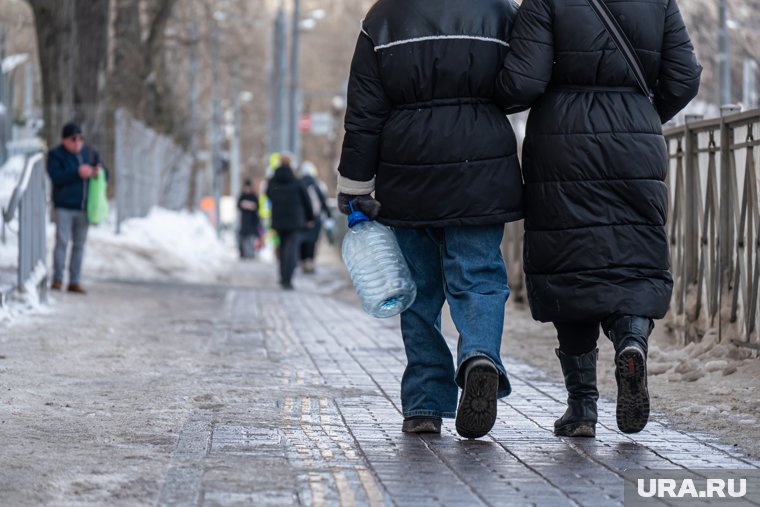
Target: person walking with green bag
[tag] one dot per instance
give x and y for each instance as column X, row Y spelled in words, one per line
column 72, row 166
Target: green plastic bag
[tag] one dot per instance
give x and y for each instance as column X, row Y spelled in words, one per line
column 97, row 199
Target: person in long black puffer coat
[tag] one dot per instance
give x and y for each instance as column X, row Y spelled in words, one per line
column 594, row 164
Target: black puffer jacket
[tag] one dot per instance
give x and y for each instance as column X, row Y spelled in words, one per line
column 594, row 158
column 291, row 207
column 422, row 128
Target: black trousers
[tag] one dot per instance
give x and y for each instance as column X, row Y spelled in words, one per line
column 309, row 239
column 290, row 241
column 577, row 338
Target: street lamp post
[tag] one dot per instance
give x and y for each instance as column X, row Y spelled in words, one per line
column 295, row 78
column 216, row 116
column 235, row 141
column 278, row 135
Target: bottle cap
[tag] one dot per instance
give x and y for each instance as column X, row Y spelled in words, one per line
column 356, row 217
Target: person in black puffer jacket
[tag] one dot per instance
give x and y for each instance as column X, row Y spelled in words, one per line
column 594, row 161
column 424, row 133
column 291, row 212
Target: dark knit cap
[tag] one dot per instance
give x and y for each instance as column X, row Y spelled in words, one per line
column 70, row 129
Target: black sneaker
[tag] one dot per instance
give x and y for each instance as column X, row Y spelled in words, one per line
column 476, row 414
column 633, row 397
column 421, row 424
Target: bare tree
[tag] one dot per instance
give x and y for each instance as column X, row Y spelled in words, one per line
column 138, row 78
column 72, row 39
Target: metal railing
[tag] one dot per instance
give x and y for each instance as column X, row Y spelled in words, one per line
column 714, row 227
column 151, row 170
column 30, row 201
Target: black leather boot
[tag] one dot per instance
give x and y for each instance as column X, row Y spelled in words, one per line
column 580, row 379
column 629, row 335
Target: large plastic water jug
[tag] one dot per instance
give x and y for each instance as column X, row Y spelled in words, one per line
column 377, row 267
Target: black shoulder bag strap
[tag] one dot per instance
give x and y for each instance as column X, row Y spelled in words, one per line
column 623, row 44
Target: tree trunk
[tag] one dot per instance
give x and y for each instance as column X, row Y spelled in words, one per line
column 138, row 79
column 73, row 48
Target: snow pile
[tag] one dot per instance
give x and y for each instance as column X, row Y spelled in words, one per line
column 695, row 360
column 718, row 379
column 10, row 174
column 165, row 245
column 9, row 249
column 26, row 302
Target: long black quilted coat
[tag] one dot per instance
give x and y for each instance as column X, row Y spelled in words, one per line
column 422, row 127
column 594, row 158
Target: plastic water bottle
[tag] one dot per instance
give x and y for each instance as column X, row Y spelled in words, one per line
column 377, row 267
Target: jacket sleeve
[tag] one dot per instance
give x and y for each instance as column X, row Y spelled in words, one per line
column 528, row 65
column 366, row 112
column 322, row 200
column 306, row 203
column 59, row 173
column 680, row 71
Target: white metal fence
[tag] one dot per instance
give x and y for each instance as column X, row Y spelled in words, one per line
column 29, row 201
column 151, row 170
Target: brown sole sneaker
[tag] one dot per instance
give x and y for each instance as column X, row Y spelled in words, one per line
column 476, row 414
column 586, row 430
column 421, row 425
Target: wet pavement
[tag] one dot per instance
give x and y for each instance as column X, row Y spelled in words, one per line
column 145, row 394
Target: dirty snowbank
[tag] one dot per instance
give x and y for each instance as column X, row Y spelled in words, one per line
column 165, row 245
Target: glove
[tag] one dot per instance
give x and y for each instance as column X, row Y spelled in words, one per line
column 364, row 203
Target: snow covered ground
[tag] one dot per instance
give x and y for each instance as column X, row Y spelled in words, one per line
column 165, row 245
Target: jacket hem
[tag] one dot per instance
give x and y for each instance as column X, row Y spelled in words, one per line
column 501, row 218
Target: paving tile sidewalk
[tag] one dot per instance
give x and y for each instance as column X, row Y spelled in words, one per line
column 256, row 396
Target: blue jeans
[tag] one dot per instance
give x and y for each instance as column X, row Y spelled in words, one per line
column 464, row 266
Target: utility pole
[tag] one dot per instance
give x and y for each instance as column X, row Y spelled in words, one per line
column 235, row 142
column 194, row 98
column 724, row 55
column 295, row 78
column 216, row 121
column 278, row 135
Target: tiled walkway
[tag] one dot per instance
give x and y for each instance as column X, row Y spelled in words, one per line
column 252, row 396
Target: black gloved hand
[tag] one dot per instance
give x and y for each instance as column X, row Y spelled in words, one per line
column 364, row 203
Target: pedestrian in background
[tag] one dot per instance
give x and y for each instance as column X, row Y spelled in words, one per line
column 315, row 188
column 425, row 134
column 70, row 166
column 249, row 233
column 595, row 161
column 291, row 212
